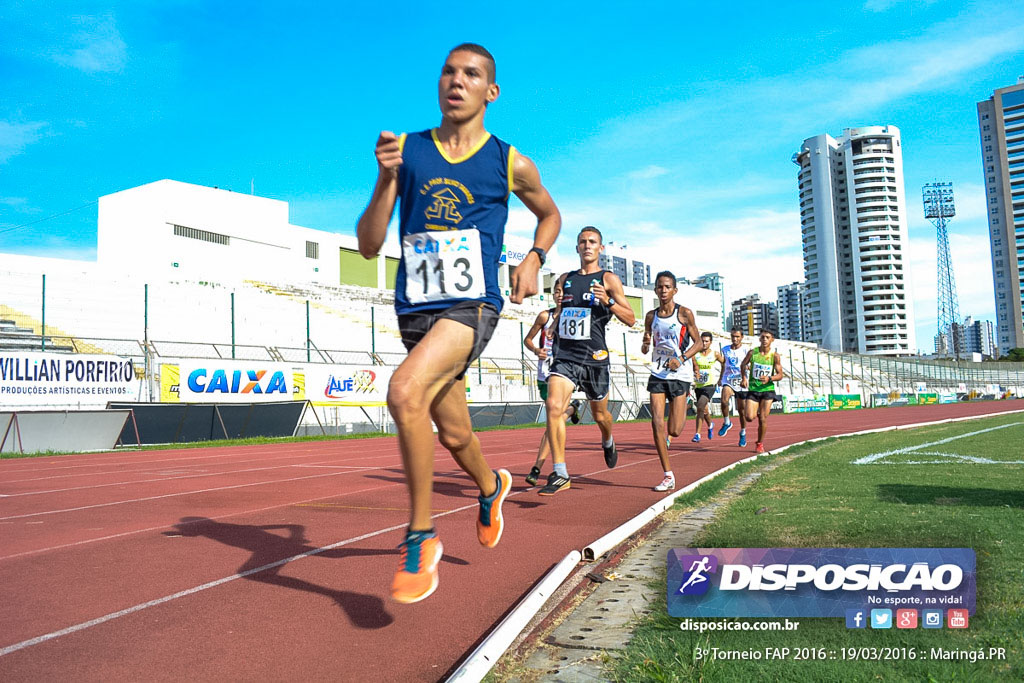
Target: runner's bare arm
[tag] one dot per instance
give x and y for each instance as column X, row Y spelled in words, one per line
column 527, row 186
column 614, row 297
column 686, row 317
column 648, row 324
column 538, row 325
column 372, row 227
column 779, row 374
column 560, row 286
column 743, row 368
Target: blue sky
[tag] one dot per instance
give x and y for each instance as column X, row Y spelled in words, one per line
column 671, row 127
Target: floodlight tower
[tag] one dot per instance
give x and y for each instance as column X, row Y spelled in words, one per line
column 939, row 208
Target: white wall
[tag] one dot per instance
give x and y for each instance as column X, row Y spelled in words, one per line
column 136, row 236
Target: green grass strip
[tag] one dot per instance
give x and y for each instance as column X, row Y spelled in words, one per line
column 956, row 499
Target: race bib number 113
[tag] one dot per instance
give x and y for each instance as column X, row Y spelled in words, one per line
column 443, row 265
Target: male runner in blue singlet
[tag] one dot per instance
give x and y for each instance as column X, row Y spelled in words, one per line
column 452, row 185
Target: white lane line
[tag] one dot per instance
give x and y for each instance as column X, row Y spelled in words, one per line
column 190, row 475
column 191, row 591
column 172, row 495
column 951, row 456
column 164, row 526
column 213, row 584
column 330, row 448
column 878, row 456
column 347, row 467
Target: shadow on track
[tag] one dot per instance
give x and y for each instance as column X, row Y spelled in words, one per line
column 267, row 548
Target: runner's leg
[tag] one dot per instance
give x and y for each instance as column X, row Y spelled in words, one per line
column 430, row 367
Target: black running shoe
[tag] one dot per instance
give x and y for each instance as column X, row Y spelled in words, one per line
column 533, row 476
column 556, row 483
column 611, row 456
column 575, row 417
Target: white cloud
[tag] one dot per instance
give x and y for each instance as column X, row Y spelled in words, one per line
column 756, row 250
column 653, row 171
column 97, row 47
column 886, row 5
column 15, row 137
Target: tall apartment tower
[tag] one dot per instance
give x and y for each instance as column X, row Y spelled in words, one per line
column 791, row 311
column 750, row 314
column 853, row 219
column 1001, row 124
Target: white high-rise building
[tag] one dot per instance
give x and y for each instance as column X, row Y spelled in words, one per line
column 791, row 311
column 853, row 218
column 1001, row 124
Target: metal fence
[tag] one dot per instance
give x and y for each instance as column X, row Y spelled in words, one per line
column 506, row 380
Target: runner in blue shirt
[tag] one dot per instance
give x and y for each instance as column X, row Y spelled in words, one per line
column 452, row 185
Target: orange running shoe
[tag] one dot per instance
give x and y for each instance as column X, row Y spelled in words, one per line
column 490, row 523
column 416, row 577
column 759, row 448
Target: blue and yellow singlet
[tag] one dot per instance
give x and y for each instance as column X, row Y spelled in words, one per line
column 452, row 215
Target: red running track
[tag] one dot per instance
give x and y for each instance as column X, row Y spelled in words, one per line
column 274, row 562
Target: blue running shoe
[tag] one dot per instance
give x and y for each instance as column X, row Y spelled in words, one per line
column 711, row 431
column 696, row 438
column 743, row 439
column 725, row 429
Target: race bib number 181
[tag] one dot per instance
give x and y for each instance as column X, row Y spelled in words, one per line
column 443, row 265
column 574, row 323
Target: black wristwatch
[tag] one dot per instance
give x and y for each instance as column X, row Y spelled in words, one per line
column 541, row 254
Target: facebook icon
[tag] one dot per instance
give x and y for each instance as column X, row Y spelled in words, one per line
column 856, row 618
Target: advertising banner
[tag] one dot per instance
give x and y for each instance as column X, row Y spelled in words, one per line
column 47, row 379
column 347, row 385
column 804, row 404
column 893, row 398
column 226, row 381
column 927, row 399
column 817, row 582
column 947, row 397
column 844, row 401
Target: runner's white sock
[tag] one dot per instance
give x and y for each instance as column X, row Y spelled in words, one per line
column 609, row 443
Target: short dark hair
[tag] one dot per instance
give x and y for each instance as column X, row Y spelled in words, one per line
column 735, row 329
column 483, row 52
column 665, row 273
column 591, row 228
column 706, row 335
column 768, row 330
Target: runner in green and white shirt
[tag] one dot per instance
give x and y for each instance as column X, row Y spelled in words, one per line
column 705, row 382
column 761, row 369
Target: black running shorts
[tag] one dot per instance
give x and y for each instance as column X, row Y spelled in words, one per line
column 672, row 388
column 760, row 395
column 593, row 380
column 482, row 317
column 707, row 392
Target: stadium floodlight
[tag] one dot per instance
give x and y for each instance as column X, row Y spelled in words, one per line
column 939, row 208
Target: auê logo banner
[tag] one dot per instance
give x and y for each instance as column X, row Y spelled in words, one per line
column 816, row 582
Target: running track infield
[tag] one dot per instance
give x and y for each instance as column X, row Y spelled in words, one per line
column 274, row 562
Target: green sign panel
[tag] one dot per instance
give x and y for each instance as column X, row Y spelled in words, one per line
column 844, row 401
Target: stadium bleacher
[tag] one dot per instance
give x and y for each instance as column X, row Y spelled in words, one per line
column 262, row 320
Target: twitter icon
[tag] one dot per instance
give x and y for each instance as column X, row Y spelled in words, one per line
column 881, row 618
